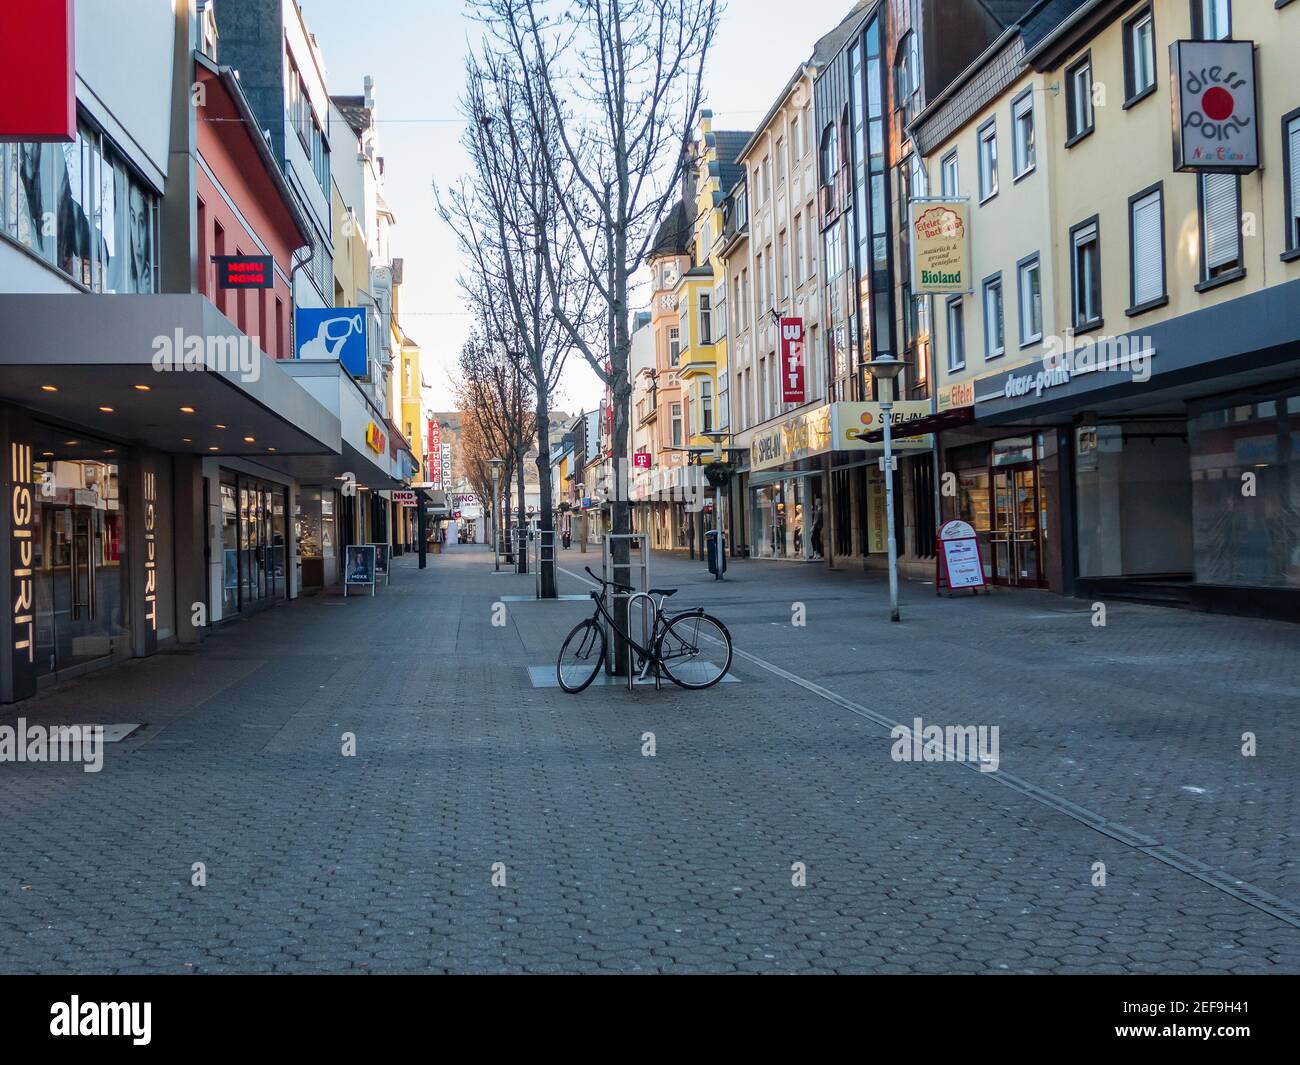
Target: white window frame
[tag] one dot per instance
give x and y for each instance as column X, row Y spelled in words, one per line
column 1147, row 284
column 1031, row 331
column 1024, row 142
column 988, row 160
column 956, row 334
column 1219, row 203
column 995, row 336
column 1079, row 96
column 948, row 168
column 1084, row 297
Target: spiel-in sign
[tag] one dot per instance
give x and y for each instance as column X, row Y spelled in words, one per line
column 1216, row 121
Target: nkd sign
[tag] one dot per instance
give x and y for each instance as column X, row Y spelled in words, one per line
column 1216, row 121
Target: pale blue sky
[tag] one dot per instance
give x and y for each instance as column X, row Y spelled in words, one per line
column 415, row 51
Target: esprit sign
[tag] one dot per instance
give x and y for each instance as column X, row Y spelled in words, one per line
column 151, row 559
column 38, row 95
column 940, row 247
column 21, row 556
column 375, row 438
column 1216, row 122
column 793, row 388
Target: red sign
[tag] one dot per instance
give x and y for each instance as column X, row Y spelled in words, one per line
column 38, row 83
column 245, row 271
column 641, row 460
column 793, row 388
column 433, row 456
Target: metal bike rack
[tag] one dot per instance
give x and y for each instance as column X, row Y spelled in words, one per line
column 543, row 551
column 638, row 556
column 648, row 613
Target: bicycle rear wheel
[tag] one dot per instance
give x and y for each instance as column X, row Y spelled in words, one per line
column 581, row 657
column 691, row 648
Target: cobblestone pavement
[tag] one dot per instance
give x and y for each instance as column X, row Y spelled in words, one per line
column 1118, row 744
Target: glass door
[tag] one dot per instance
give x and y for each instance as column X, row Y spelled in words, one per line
column 1016, row 536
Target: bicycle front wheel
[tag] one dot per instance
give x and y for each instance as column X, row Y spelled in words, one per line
column 691, row 648
column 581, row 657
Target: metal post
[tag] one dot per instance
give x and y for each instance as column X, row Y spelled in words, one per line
column 421, row 526
column 886, row 409
column 496, row 531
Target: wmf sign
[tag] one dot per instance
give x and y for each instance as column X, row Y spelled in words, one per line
column 333, row 333
column 1216, row 120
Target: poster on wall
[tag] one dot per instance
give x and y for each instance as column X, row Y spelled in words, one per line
column 359, row 567
column 940, row 247
column 1215, row 116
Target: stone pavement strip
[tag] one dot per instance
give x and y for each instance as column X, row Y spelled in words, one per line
column 684, row 861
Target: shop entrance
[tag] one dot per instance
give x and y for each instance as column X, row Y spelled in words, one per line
column 1016, row 536
column 253, row 544
column 78, row 565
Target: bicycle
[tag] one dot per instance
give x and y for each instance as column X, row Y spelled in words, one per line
column 675, row 644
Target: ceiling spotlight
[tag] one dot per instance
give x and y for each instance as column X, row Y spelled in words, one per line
column 250, row 440
column 49, row 388
column 107, row 410
column 220, row 426
column 187, row 410
column 141, row 388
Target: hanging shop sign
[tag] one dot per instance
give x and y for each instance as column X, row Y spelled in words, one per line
column 433, row 454
column 641, row 460
column 404, row 498
column 940, row 247
column 38, row 92
column 1215, row 113
column 375, row 438
column 359, row 567
column 798, row 437
column 793, row 365
column 245, row 271
column 957, row 562
column 853, row 421
column 334, row 333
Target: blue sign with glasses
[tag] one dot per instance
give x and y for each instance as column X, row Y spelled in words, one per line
column 333, row 333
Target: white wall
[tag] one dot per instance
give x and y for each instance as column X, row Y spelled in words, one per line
column 124, row 70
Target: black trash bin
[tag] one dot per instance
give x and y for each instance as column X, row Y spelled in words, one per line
column 716, row 547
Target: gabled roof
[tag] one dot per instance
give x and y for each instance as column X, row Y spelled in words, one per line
column 1009, row 12
column 730, row 143
column 1044, row 19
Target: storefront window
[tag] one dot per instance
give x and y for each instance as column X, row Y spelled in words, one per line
column 1245, row 473
column 81, row 208
column 1133, row 499
column 79, row 562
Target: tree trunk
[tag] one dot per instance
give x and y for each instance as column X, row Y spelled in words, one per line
column 544, row 483
column 521, row 554
column 503, row 520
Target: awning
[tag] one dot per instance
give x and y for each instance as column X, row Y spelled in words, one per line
column 932, row 423
column 104, row 362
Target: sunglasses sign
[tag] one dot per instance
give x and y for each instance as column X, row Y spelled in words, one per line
column 1216, row 121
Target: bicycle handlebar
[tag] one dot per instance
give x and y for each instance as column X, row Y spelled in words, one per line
column 610, row 584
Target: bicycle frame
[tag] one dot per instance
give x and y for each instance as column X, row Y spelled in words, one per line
column 662, row 621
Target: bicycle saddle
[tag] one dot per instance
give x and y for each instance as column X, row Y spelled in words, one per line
column 665, row 592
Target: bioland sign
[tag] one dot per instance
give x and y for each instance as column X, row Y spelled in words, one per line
column 1216, row 121
column 940, row 247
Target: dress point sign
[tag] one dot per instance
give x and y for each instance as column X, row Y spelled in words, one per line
column 1216, row 127
column 940, row 247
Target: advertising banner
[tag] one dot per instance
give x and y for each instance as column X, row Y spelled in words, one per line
column 793, row 364
column 38, row 97
column 854, row 421
column 940, row 247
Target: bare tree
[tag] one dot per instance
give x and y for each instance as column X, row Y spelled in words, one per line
column 508, row 221
column 493, row 392
column 617, row 86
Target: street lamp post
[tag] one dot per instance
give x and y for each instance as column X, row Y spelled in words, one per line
column 496, row 465
column 886, row 370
